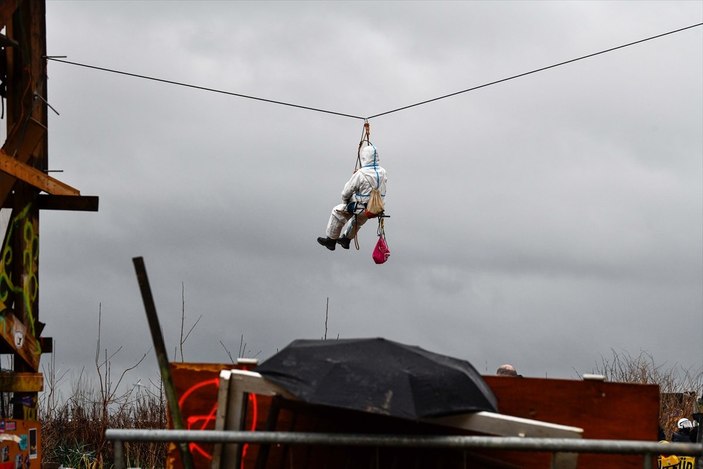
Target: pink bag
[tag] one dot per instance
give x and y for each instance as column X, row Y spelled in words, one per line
column 381, row 251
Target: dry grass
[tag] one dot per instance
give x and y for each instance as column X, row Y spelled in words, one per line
column 73, row 432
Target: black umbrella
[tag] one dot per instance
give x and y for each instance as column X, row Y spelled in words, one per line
column 380, row 376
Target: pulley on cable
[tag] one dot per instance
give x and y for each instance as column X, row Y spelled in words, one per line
column 362, row 198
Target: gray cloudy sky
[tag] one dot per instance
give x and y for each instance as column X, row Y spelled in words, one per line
column 544, row 221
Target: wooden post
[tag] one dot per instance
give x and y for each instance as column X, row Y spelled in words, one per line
column 162, row 357
column 26, row 77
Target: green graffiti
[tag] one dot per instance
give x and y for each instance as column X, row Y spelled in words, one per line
column 28, row 288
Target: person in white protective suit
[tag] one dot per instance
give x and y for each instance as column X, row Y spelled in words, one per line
column 350, row 215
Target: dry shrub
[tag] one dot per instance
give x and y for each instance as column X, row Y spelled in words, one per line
column 73, row 431
column 679, row 388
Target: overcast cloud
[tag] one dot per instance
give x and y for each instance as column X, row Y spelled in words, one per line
column 544, row 221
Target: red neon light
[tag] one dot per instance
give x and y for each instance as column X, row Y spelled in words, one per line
column 205, row 420
column 195, row 387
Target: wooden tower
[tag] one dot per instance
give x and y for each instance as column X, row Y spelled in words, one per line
column 25, row 188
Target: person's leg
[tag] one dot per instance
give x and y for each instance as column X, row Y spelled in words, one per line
column 338, row 218
column 353, row 227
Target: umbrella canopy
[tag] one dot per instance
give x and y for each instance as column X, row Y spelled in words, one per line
column 380, row 376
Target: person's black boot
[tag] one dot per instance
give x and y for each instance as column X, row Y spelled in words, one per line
column 329, row 243
column 344, row 242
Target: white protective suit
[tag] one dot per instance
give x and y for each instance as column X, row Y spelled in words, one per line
column 356, row 194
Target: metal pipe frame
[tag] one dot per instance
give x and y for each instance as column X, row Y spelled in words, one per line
column 568, row 445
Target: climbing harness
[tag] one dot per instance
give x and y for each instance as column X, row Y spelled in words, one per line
column 374, row 208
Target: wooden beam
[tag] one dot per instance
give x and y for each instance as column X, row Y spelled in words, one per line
column 21, row 382
column 22, row 140
column 506, row 425
column 231, row 410
column 47, row 344
column 19, row 339
column 33, row 176
column 78, row 203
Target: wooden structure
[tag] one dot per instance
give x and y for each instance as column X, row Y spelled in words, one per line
column 197, row 387
column 25, row 188
column 609, row 411
column 614, row 411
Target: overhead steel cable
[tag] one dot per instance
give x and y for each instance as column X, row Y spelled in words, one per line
column 203, row 88
column 532, row 71
column 309, row 108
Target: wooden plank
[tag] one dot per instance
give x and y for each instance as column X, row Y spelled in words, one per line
column 21, row 382
column 78, row 203
column 506, row 425
column 46, row 344
column 221, row 414
column 34, row 177
column 604, row 410
column 197, row 387
column 252, row 382
column 611, row 411
column 19, row 339
column 241, row 382
column 22, row 139
column 82, row 203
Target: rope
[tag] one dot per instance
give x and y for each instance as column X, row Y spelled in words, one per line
column 365, row 137
column 381, row 230
column 356, row 232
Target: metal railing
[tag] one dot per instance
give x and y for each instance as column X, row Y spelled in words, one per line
column 553, row 445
